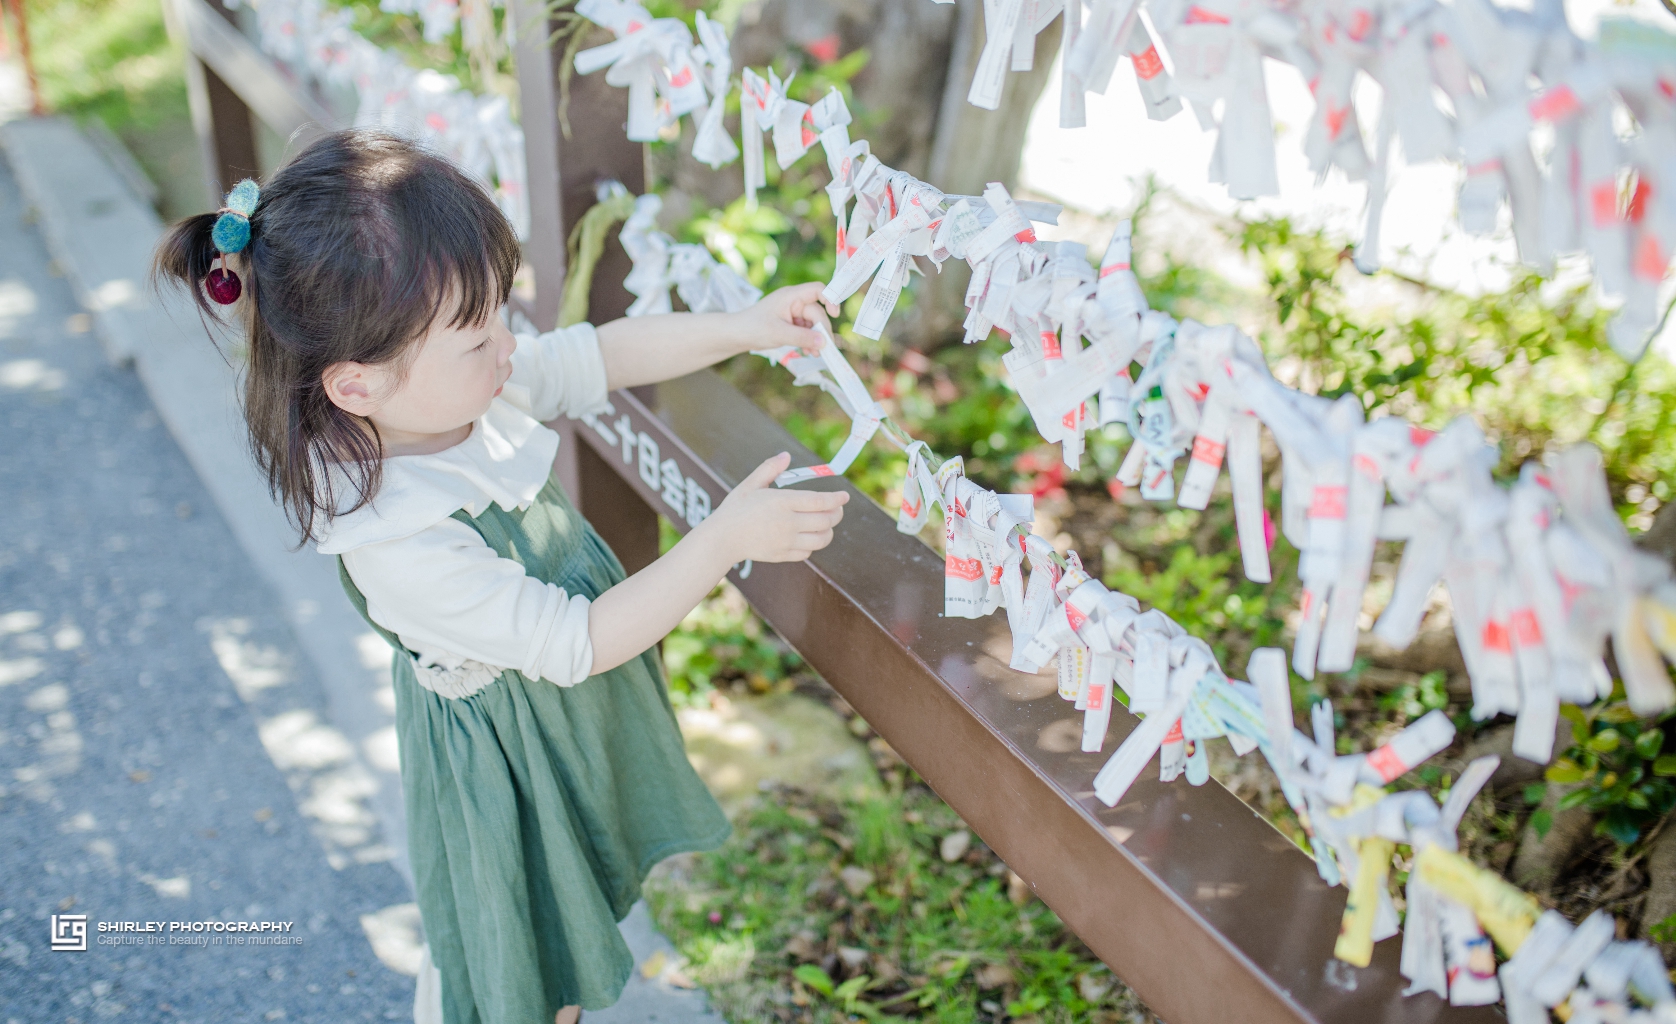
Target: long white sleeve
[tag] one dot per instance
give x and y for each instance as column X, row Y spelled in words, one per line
column 444, row 592
column 562, row 371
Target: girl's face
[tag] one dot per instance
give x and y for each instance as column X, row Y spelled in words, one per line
column 453, row 376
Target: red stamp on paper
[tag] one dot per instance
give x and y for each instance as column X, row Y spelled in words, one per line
column 1555, row 104
column 1386, row 762
column 1148, row 65
column 1495, row 637
column 1073, row 616
column 1328, row 503
column 1207, row 451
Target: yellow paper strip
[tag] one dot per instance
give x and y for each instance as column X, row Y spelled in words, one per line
column 1505, row 912
column 1355, row 936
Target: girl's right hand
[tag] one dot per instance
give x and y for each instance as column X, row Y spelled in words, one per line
column 763, row 524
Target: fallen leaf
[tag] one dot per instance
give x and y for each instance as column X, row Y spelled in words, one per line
column 1092, row 988
column 856, row 880
column 1018, row 890
column 885, row 969
column 139, row 776
column 853, row 958
column 993, row 976
column 954, row 845
column 802, row 946
column 654, row 965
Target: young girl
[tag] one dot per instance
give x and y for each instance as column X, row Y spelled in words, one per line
column 397, row 419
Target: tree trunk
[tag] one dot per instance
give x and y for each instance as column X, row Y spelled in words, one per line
column 971, row 148
column 1660, row 537
column 911, row 107
column 1661, row 888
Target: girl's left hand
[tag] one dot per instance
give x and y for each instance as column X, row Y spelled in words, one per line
column 787, row 317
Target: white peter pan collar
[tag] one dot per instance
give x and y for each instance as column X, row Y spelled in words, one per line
column 505, row 460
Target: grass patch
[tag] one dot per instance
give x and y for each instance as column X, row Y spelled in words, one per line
column 821, row 910
column 110, row 59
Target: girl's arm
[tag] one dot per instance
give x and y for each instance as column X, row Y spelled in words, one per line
column 445, row 592
column 649, row 349
column 756, row 521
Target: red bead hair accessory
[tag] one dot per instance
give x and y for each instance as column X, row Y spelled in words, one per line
column 223, row 284
column 231, row 233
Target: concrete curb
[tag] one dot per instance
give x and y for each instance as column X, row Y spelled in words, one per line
column 102, row 236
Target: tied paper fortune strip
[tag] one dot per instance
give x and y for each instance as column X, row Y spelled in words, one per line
column 1509, row 77
column 1174, row 680
column 477, row 132
column 830, row 371
column 664, row 72
column 1205, row 391
column 660, row 263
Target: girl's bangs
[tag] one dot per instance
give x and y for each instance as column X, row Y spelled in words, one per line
column 469, row 259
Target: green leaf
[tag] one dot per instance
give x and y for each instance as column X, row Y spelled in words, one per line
column 1542, row 821
column 1665, row 765
column 1621, row 826
column 1434, row 691
column 849, row 990
column 1563, row 771
column 1574, row 714
column 886, row 905
column 1534, row 793
column 1664, row 931
column 1575, row 798
column 1649, row 743
column 815, row 978
column 1604, row 742
column 1618, row 714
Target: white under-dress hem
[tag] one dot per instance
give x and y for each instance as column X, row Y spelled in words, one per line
column 427, row 995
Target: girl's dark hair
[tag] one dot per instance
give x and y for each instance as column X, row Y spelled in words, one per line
column 355, row 247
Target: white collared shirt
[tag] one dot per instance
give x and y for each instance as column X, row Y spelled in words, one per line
column 431, row 580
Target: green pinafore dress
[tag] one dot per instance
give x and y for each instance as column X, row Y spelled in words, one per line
column 534, row 811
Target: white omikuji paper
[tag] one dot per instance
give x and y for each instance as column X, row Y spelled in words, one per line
column 1534, row 75
column 1540, row 574
column 1203, row 392
column 476, row 132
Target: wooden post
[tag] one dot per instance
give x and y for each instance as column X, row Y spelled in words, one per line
column 220, row 118
column 36, row 107
column 564, row 175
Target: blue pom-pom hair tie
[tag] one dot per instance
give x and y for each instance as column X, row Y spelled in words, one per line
column 231, row 234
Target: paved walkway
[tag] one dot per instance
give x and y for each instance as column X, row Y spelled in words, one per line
column 160, row 734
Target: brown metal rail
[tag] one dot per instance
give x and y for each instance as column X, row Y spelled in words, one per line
column 1196, row 902
column 1200, row 905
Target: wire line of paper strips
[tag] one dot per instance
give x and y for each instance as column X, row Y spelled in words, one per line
column 1539, row 574
column 1504, row 72
column 1611, row 197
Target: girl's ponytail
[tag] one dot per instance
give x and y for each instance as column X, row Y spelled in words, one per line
column 187, row 254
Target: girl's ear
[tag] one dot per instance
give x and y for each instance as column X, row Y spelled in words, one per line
column 353, row 387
